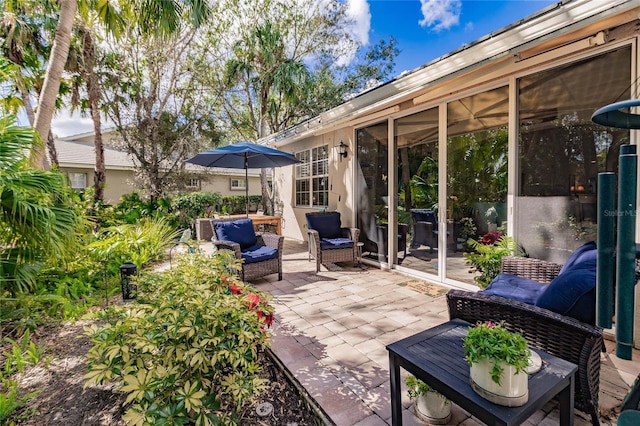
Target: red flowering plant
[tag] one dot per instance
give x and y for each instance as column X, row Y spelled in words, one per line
column 229, row 284
column 254, row 301
column 490, row 238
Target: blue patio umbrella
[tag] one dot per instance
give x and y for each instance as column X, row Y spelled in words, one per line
column 244, row 155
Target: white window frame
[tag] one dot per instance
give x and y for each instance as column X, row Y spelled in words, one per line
column 237, row 184
column 193, row 183
column 78, row 181
column 314, row 171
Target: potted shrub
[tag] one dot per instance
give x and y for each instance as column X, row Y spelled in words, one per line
column 431, row 406
column 487, row 256
column 498, row 361
column 492, row 219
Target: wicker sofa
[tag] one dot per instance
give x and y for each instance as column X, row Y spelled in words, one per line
column 559, row 335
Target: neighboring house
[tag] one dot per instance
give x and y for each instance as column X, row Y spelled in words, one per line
column 76, row 156
column 497, row 134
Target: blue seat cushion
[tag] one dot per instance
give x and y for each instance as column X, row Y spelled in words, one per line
column 335, row 243
column 327, row 224
column 239, row 231
column 572, row 293
column 257, row 253
column 583, row 257
column 514, row 287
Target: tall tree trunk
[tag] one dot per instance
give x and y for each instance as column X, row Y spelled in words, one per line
column 53, row 153
column 268, row 202
column 93, row 92
column 26, row 99
column 51, row 86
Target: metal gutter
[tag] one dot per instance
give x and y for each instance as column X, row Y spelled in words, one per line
column 564, row 17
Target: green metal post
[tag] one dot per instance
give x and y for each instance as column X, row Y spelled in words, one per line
column 606, row 242
column 626, row 253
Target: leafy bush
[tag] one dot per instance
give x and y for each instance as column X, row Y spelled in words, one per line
column 21, row 354
column 487, row 258
column 132, row 208
column 189, row 207
column 187, row 351
column 235, row 204
column 140, row 243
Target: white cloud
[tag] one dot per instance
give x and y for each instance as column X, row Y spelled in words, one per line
column 440, row 14
column 358, row 11
column 66, row 123
column 358, row 26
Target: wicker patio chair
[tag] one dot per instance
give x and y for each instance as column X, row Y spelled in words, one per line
column 328, row 241
column 556, row 334
column 258, row 258
column 425, row 229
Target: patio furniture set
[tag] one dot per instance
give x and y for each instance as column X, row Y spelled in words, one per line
column 566, row 338
column 261, row 253
column 562, row 332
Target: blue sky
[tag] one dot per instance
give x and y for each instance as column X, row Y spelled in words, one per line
column 428, row 29
column 424, row 29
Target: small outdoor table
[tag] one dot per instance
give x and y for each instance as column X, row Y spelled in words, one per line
column 436, row 356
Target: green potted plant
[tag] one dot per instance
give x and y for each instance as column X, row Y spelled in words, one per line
column 492, row 219
column 498, row 361
column 487, row 256
column 431, row 406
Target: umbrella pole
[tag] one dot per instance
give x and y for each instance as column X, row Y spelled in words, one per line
column 246, row 184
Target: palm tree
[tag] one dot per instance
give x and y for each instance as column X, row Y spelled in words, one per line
column 84, row 64
column 51, row 86
column 37, row 219
column 273, row 85
column 163, row 17
column 23, row 30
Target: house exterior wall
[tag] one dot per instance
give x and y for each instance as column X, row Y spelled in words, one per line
column 222, row 184
column 499, row 61
column 118, row 182
column 121, row 181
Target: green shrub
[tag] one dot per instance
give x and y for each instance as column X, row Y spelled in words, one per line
column 187, row 351
column 235, row 204
column 189, row 207
column 131, row 208
column 143, row 242
column 487, row 258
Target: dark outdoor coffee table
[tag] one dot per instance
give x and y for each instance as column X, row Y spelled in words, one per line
column 436, row 356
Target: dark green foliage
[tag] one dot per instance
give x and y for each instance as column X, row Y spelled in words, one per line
column 235, row 204
column 187, row 351
column 188, row 207
column 487, row 258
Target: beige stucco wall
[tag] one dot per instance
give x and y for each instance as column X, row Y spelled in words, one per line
column 341, row 185
column 118, row 182
column 222, row 184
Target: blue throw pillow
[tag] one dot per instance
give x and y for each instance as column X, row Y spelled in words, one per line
column 515, row 288
column 327, row 224
column 240, row 231
column 572, row 293
column 585, row 253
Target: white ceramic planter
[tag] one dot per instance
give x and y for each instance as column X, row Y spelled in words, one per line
column 513, row 390
column 433, row 408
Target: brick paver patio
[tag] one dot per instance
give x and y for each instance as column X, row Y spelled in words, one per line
column 332, row 327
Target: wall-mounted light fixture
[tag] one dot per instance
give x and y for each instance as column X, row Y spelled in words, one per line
column 342, row 150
